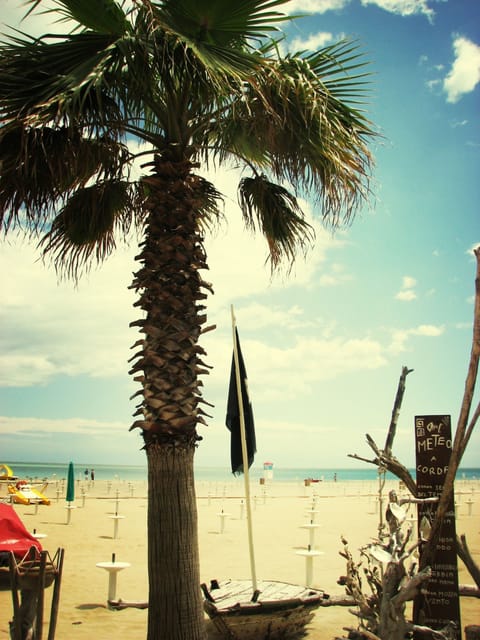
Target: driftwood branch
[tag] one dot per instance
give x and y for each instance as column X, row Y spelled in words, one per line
column 396, row 411
column 353, row 583
column 341, row 600
column 412, row 587
column 468, row 591
column 390, row 463
column 126, row 604
column 383, row 614
column 473, row 422
column 464, row 553
column 373, row 445
column 432, row 500
column 383, row 457
column 447, row 633
column 463, row 431
column 357, row 634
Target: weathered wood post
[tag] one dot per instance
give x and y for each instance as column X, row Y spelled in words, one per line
column 438, row 603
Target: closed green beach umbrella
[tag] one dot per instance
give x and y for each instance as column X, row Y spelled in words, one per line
column 70, row 484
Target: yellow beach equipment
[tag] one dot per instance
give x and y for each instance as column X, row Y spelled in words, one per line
column 24, row 493
column 5, row 472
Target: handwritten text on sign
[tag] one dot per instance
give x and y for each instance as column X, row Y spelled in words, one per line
column 440, row 603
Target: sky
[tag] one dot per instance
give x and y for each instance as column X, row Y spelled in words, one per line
column 325, row 345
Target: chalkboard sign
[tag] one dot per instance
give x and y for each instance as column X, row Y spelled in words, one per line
column 439, row 603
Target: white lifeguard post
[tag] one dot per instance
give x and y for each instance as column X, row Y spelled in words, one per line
column 268, row 470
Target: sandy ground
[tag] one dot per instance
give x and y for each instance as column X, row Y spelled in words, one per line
column 279, row 511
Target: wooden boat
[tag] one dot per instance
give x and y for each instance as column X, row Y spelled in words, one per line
column 276, row 609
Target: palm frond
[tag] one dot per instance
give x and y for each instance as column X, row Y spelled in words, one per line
column 291, row 123
column 42, row 166
column 102, row 16
column 212, row 21
column 207, row 203
column 45, row 80
column 197, row 80
column 221, row 36
column 338, row 67
column 85, row 229
column 275, row 212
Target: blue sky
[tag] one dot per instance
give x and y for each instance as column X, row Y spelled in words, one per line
column 324, row 348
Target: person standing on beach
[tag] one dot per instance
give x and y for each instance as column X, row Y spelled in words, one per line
column 92, row 475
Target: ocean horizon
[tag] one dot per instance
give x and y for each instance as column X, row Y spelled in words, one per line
column 52, row 470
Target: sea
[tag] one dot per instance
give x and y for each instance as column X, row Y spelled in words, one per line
column 56, row 471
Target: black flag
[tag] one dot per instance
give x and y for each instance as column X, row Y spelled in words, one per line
column 233, row 416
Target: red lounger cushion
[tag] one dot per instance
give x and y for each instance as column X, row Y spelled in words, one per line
column 13, row 534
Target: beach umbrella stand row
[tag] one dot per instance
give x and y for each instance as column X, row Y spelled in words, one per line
column 311, row 552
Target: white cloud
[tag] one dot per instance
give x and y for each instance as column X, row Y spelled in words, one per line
column 464, row 75
column 407, row 293
column 400, row 337
column 237, row 258
column 408, row 282
column 38, row 426
column 399, row 7
column 398, row 343
column 25, row 369
column 334, row 278
column 404, row 7
column 406, row 296
column 51, row 328
column 314, row 6
column 307, row 361
column 429, row 330
column 258, row 316
column 433, row 84
column 313, row 42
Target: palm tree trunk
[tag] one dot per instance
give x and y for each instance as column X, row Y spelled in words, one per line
column 167, row 366
column 175, row 604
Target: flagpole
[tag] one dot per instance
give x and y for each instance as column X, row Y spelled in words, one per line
column 244, row 454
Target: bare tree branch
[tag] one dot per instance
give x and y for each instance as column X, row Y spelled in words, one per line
column 462, row 433
column 447, row 633
column 390, row 463
column 466, row 557
column 396, row 411
column 384, row 458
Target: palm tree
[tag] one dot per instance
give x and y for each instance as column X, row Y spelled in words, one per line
column 191, row 81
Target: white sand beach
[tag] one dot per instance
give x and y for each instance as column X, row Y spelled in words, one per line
column 348, row 509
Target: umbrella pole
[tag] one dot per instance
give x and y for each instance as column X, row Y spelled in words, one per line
column 244, row 457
